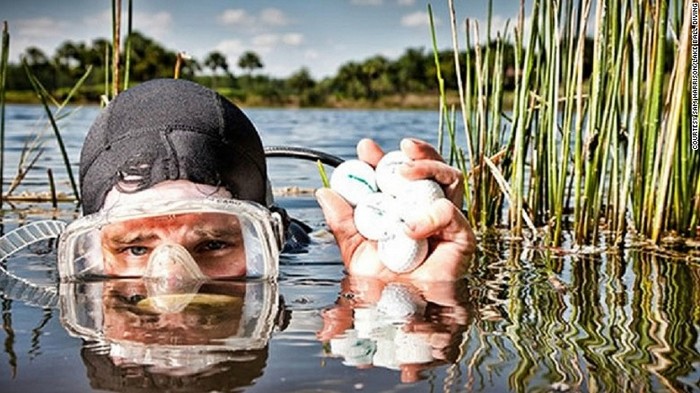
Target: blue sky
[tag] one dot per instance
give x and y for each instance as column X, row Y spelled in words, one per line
column 287, row 34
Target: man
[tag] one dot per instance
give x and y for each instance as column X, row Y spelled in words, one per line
column 168, row 141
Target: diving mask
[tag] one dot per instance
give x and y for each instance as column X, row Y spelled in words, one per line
column 224, row 237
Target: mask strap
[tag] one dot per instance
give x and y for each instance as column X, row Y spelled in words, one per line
column 18, row 288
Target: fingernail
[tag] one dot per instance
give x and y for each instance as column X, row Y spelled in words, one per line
column 407, row 142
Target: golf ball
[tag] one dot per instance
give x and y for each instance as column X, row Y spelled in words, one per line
column 400, row 253
column 376, row 216
column 353, row 180
column 387, row 173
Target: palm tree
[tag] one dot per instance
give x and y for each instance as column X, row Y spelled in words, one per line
column 215, row 60
column 250, row 61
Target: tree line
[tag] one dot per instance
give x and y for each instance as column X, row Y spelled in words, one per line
column 413, row 72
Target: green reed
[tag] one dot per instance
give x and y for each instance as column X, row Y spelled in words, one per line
column 45, row 97
column 580, row 152
column 4, row 55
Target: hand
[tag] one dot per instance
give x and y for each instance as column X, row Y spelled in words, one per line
column 451, row 239
column 444, row 312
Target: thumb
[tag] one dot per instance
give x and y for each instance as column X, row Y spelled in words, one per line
column 339, row 217
column 336, row 209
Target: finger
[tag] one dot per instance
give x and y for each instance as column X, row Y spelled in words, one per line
column 417, row 149
column 369, row 151
column 431, row 169
column 444, row 221
column 448, row 177
column 339, row 217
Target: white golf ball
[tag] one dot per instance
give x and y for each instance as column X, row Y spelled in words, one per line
column 376, row 216
column 353, row 180
column 387, row 173
column 416, row 196
column 419, row 193
column 400, row 253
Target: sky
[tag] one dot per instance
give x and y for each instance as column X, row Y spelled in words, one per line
column 320, row 35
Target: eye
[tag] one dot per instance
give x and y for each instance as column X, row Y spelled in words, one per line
column 213, row 245
column 136, row 251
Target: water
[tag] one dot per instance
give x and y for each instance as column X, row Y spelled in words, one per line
column 522, row 320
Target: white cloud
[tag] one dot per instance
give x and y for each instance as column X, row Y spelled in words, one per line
column 155, row 25
column 230, row 47
column 273, row 17
column 267, row 17
column 418, row 19
column 366, row 2
column 293, row 39
column 40, row 27
column 265, row 40
column 406, row 3
column 233, row 17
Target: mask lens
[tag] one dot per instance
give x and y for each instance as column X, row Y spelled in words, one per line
column 176, row 243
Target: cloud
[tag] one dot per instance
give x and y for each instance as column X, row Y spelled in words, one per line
column 367, row 2
column 233, row 17
column 293, row 39
column 230, row 47
column 267, row 17
column 273, row 17
column 265, row 40
column 155, row 25
column 40, row 27
column 418, row 19
column 406, row 3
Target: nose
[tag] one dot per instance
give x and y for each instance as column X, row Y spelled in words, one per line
column 172, row 278
column 172, row 262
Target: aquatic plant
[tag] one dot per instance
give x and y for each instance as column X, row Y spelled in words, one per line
column 609, row 153
column 5, row 48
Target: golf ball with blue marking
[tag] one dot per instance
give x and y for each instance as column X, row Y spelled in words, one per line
column 353, row 180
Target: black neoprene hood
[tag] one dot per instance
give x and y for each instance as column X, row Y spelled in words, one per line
column 171, row 129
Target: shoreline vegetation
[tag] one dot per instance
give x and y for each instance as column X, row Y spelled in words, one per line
column 577, row 127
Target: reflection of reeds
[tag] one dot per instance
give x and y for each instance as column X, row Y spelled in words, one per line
column 610, row 322
column 611, row 148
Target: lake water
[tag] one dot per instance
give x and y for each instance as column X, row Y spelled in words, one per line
column 523, row 320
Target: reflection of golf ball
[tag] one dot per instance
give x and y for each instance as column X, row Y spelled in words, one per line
column 376, row 216
column 388, row 178
column 397, row 302
column 400, row 253
column 353, row 179
column 412, row 348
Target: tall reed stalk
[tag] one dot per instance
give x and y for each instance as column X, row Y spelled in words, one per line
column 599, row 152
column 4, row 55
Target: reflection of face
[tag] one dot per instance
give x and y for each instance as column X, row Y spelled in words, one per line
column 127, row 316
column 214, row 240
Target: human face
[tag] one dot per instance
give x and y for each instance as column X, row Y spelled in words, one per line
column 214, row 241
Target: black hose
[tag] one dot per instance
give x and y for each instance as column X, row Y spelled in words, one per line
column 303, row 153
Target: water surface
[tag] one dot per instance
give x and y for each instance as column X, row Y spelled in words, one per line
column 523, row 320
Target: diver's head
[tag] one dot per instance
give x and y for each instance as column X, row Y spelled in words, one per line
column 172, row 163
column 171, row 129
